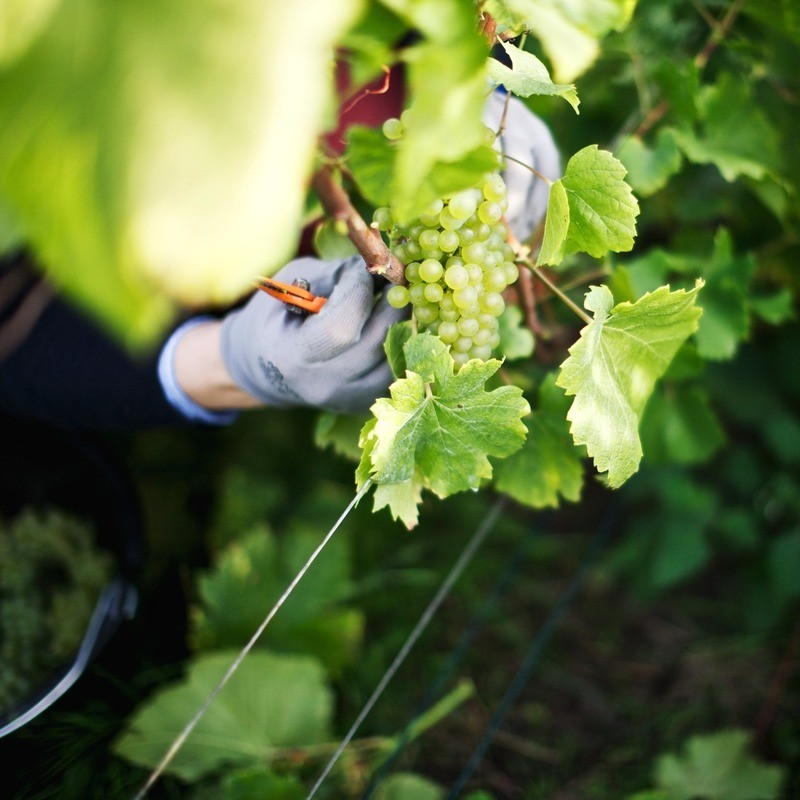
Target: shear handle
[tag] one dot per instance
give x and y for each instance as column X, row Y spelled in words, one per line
column 292, row 294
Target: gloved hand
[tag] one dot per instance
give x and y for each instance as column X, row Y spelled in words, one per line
column 527, row 138
column 332, row 360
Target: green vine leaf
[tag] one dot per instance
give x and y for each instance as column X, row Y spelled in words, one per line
column 569, row 32
column 597, row 205
column 250, row 574
column 156, row 175
column 528, row 76
column 719, row 766
column 548, row 466
column 612, row 370
column 734, row 133
column 516, row 339
column 679, row 425
column 650, row 168
column 438, row 428
column 271, row 702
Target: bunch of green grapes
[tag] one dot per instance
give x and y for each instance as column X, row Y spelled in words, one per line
column 51, row 573
column 458, row 262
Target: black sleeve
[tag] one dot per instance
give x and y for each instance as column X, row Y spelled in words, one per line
column 57, row 366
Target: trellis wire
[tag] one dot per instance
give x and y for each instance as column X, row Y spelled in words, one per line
column 190, row 726
column 534, row 652
column 479, row 619
column 475, row 541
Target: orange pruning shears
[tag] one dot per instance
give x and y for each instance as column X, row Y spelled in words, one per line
column 296, row 295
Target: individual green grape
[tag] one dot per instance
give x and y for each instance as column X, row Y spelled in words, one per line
column 492, row 303
column 482, row 336
column 448, row 221
column 416, row 293
column 434, row 293
column 382, row 218
column 466, row 297
column 489, row 212
column 426, row 313
column 412, row 272
column 448, row 241
column 494, row 280
column 430, row 270
column 429, row 239
column 468, row 327
column 512, row 272
column 393, row 129
column 494, row 187
column 448, row 331
column 456, row 276
column 475, row 274
column 471, row 312
column 474, row 253
column 482, row 352
column 463, row 204
column 466, row 235
column 398, row 297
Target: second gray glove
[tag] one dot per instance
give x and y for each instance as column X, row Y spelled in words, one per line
column 526, row 138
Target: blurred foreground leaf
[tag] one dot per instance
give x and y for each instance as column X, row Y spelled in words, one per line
column 157, row 152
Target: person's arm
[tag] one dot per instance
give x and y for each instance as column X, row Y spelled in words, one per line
column 202, row 374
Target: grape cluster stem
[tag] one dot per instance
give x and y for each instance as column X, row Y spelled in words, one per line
column 378, row 257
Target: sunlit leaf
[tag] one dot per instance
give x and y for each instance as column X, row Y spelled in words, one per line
column 569, row 32
column 444, row 423
column 613, row 367
column 600, row 207
column 529, row 76
column 439, row 426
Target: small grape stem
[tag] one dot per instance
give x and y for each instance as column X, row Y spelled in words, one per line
column 526, row 293
column 378, row 257
column 535, row 171
column 525, row 262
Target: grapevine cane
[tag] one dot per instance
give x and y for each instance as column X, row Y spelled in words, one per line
column 379, row 259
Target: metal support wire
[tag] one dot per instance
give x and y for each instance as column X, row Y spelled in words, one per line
column 535, row 651
column 190, row 726
column 481, row 532
column 479, row 619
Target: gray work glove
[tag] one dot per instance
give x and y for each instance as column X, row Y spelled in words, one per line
column 527, row 138
column 332, row 360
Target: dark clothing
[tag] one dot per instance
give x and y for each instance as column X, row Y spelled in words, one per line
column 56, row 366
